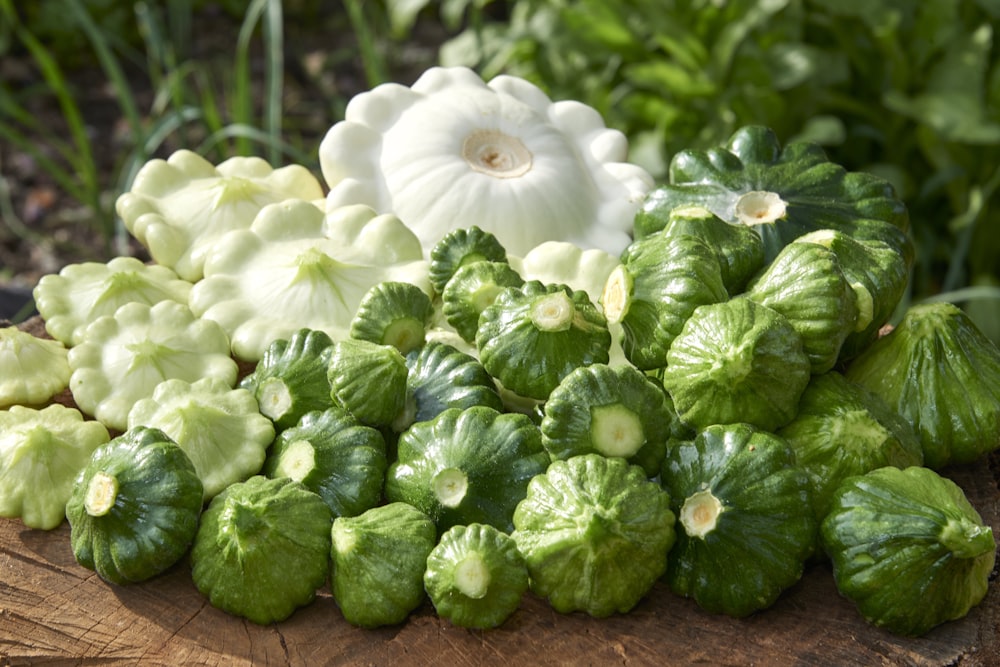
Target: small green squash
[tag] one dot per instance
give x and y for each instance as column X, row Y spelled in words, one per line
column 462, row 247
column 135, row 507
column 736, row 361
column 908, row 548
column 806, row 284
column 368, row 380
column 290, row 378
column 441, row 377
column 475, row 576
column 262, row 549
column 939, row 371
column 531, row 337
column 377, row 563
column 612, row 411
column 393, row 313
column 660, row 282
column 467, row 466
column 595, row 533
column 745, row 520
column 333, row 455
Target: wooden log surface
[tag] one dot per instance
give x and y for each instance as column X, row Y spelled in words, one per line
column 53, row 612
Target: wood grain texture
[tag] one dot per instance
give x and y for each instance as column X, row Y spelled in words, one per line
column 55, row 612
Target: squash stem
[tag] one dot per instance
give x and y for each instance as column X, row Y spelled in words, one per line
column 700, row 513
column 472, row 576
column 102, row 491
column 616, row 430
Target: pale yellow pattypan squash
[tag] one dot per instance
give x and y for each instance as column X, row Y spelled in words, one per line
column 178, row 208
column 453, row 151
column 299, row 267
column 70, row 300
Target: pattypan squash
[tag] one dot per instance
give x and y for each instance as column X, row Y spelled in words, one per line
column 595, row 533
column 745, row 523
column 781, row 192
column 460, row 247
column 879, row 276
column 262, row 549
column 613, row 411
column 661, row 280
column 41, row 454
column 123, row 357
column 937, row 369
column 843, row 429
column 180, row 207
column 334, row 456
column 290, row 378
column 220, row 428
column 32, row 369
column 470, row 290
column 368, row 380
column 135, row 507
column 452, row 151
column 394, row 313
column 80, row 293
column 740, row 251
column 908, row 548
column 532, row 336
column 441, row 376
column 806, row 285
column 467, row 466
column 297, row 267
column 736, row 361
column 475, row 576
column 377, row 563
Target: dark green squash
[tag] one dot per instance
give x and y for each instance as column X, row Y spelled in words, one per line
column 908, row 548
column 134, row 508
column 745, row 520
column 781, row 192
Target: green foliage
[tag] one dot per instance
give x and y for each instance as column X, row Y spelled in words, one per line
column 908, row 90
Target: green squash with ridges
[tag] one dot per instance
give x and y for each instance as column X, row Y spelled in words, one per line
column 135, row 507
column 745, row 520
column 781, row 192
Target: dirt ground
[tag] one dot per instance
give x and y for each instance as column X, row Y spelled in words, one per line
column 43, row 228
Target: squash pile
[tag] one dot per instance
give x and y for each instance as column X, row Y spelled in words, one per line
column 717, row 406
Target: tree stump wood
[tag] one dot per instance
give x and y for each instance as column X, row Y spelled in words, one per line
column 54, row 612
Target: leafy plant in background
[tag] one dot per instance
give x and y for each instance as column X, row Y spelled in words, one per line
column 910, row 90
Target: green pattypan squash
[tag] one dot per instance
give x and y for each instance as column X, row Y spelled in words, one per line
column 659, row 283
column 806, row 284
column 291, row 377
column 262, row 549
column 441, row 377
column 595, row 533
column 937, row 369
column 908, row 548
column 377, row 563
column 612, row 411
column 781, row 192
column 461, row 247
column 475, row 576
column 745, row 519
column 531, row 337
column 135, row 507
column 467, row 466
column 334, row 456
column 843, row 429
column 736, row 361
